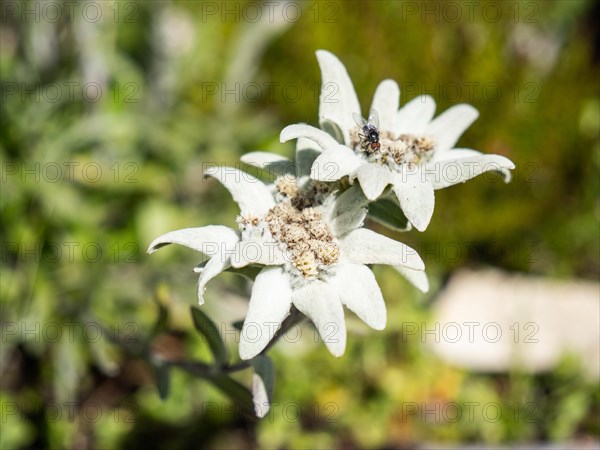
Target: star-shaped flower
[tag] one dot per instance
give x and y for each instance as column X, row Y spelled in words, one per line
column 415, row 154
column 307, row 151
column 308, row 239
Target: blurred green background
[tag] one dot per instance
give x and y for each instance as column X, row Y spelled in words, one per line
column 110, row 112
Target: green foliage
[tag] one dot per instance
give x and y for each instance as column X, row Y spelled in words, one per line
column 263, row 368
column 88, row 182
column 387, row 212
column 209, row 330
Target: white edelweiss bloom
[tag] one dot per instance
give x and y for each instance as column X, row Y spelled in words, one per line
column 307, row 152
column 413, row 152
column 309, row 239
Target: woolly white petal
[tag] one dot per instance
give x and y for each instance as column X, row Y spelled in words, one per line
column 446, row 128
column 417, row 278
column 352, row 199
column 348, row 221
column 269, row 305
column 373, row 179
column 323, row 140
column 213, row 267
column 385, row 102
column 271, row 162
column 257, row 251
column 320, row 302
column 209, row 240
column 338, row 100
column 360, row 292
column 262, row 159
column 442, row 174
column 260, row 398
column 346, row 211
column 414, row 117
column 416, row 197
column 363, row 246
column 331, row 165
column 454, row 153
column 334, row 130
column 307, row 151
column 251, row 194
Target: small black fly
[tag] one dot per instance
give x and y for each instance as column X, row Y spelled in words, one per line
column 369, row 139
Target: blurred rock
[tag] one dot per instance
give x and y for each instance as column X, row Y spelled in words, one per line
column 491, row 321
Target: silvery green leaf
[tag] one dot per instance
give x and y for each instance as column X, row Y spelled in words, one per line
column 275, row 165
column 305, row 157
column 163, row 380
column 333, row 129
column 249, row 272
column 263, row 382
column 388, row 213
column 347, row 211
column 205, row 326
column 162, row 318
column 237, row 392
column 351, row 200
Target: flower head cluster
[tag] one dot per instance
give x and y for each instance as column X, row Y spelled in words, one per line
column 304, row 232
column 415, row 155
column 296, row 223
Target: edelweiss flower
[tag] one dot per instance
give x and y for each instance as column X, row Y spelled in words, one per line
column 307, row 152
column 416, row 154
column 309, row 239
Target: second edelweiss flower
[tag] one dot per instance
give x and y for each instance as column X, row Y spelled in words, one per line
column 309, row 241
column 410, row 151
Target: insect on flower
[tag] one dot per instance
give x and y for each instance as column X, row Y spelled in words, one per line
column 369, row 139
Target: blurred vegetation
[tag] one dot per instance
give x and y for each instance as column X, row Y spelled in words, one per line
column 91, row 175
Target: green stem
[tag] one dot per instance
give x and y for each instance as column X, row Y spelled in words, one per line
column 294, row 318
column 202, row 369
